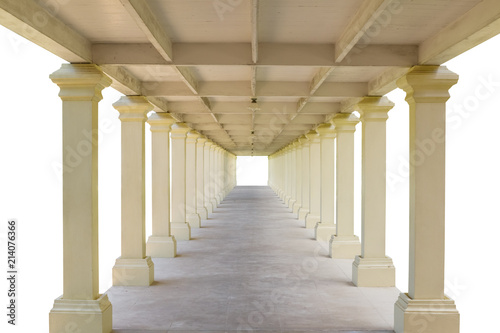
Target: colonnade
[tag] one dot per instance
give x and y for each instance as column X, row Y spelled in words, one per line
column 294, row 173
column 202, row 174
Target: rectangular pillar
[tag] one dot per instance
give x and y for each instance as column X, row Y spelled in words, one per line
column 81, row 305
column 345, row 245
column 161, row 244
column 192, row 216
column 304, row 208
column 180, row 228
column 326, row 228
column 426, row 307
column 373, row 268
column 200, row 178
column 133, row 267
column 315, row 180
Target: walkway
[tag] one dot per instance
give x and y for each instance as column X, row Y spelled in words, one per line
column 253, row 266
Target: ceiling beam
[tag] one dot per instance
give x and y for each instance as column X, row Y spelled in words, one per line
column 54, row 35
column 255, row 45
column 365, row 16
column 240, row 54
column 265, row 88
column 145, row 19
column 477, row 25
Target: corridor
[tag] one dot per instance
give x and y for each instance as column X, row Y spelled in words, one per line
column 252, row 267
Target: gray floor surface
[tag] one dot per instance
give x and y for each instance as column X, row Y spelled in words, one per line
column 252, row 267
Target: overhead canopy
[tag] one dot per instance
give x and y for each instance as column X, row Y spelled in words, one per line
column 304, row 60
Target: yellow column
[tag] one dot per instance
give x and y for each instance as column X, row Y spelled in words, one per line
column 314, row 180
column 298, row 177
column 345, row 245
column 293, row 175
column 207, row 168
column 161, row 244
column 81, row 305
column 200, row 177
column 373, row 268
column 304, row 208
column 180, row 228
column 326, row 228
column 425, row 307
column 192, row 216
column 133, row 267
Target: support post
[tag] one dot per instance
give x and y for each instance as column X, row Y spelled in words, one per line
column 81, row 305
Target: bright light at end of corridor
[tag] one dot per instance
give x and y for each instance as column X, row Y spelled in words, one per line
column 251, row 170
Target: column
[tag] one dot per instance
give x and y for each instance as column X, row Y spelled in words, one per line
column 373, row 268
column 293, row 175
column 425, row 306
column 326, row 228
column 200, row 178
column 286, row 162
column 304, row 208
column 213, row 178
column 180, row 228
column 192, row 216
column 81, row 305
column 345, row 245
column 207, row 176
column 315, row 180
column 161, row 244
column 220, row 175
column 133, row 267
column 298, row 177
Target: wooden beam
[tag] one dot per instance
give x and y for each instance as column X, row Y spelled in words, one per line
column 479, row 24
column 146, row 20
column 265, row 89
column 33, row 22
column 255, row 31
column 365, row 16
column 386, row 82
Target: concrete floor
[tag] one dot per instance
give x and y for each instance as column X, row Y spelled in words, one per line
column 252, row 267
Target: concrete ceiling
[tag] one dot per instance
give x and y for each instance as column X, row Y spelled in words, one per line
column 304, row 60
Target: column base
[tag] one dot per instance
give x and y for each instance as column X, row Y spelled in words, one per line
column 296, row 207
column 209, row 208
column 426, row 315
column 302, row 213
column 203, row 212
column 291, row 203
column 133, row 272
column 180, row 230
column 286, row 199
column 323, row 232
column 311, row 221
column 345, row 247
column 373, row 272
column 194, row 220
column 82, row 315
column 161, row 247
column 214, row 204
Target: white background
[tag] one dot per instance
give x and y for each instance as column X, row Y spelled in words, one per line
column 30, row 184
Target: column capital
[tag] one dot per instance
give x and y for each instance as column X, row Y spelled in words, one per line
column 202, row 140
column 160, row 121
column 133, row 108
column 327, row 131
column 179, row 131
column 303, row 141
column 80, row 82
column 313, row 136
column 427, row 84
column 192, row 136
column 345, row 122
column 374, row 108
